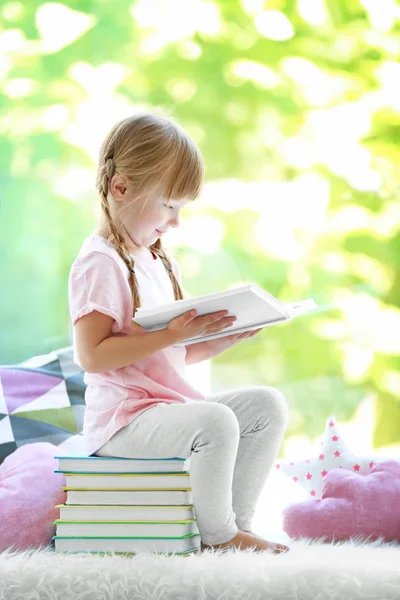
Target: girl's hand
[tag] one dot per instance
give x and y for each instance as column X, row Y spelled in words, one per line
column 219, row 345
column 189, row 325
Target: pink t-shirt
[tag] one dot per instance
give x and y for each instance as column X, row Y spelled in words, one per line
column 98, row 280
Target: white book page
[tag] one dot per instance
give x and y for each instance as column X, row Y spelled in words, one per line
column 298, row 308
column 195, row 301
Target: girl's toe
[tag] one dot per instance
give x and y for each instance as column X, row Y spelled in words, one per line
column 281, row 548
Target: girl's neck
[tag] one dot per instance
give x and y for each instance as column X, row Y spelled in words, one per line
column 102, row 228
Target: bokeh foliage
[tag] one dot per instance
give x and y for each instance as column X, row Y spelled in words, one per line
column 273, row 91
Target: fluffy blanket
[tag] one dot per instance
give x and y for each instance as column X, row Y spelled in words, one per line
column 311, row 570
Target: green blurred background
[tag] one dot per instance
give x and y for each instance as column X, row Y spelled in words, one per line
column 295, row 105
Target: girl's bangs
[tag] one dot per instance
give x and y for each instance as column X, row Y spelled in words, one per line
column 185, row 177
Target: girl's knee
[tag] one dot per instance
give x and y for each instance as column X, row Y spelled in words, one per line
column 222, row 421
column 273, row 403
column 217, row 425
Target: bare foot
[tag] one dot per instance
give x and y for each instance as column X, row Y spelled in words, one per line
column 283, row 547
column 244, row 539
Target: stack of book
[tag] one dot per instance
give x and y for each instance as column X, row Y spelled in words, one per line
column 126, row 506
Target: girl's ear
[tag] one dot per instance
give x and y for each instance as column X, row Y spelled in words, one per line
column 118, row 186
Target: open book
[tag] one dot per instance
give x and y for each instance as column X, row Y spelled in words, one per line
column 254, row 308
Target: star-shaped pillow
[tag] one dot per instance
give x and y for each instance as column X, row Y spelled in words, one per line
column 333, row 454
column 352, row 506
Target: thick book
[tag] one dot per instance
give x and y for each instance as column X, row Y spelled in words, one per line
column 129, row 497
column 128, row 528
column 101, row 464
column 253, row 307
column 127, row 481
column 125, row 513
column 129, row 545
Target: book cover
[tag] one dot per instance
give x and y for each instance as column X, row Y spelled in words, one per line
column 122, row 512
column 127, row 481
column 100, row 464
column 187, row 543
column 126, row 528
column 128, row 497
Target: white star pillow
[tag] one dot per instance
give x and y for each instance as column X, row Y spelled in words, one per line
column 333, row 454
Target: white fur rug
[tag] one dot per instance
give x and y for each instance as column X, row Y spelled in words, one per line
column 309, row 571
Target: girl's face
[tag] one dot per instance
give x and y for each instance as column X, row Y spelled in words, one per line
column 146, row 219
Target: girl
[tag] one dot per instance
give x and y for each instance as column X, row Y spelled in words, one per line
column 138, row 403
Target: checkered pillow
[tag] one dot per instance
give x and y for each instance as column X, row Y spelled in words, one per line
column 42, row 400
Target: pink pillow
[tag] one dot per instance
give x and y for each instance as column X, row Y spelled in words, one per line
column 351, row 505
column 29, row 491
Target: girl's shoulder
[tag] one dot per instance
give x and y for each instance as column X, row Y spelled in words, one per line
column 95, row 247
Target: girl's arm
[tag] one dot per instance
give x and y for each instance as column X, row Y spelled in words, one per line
column 100, row 350
column 197, row 352
column 215, row 347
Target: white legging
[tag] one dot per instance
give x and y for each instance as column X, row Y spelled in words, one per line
column 233, row 440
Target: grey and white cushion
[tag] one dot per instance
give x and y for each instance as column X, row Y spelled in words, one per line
column 42, row 400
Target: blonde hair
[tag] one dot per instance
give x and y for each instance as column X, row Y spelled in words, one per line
column 151, row 151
